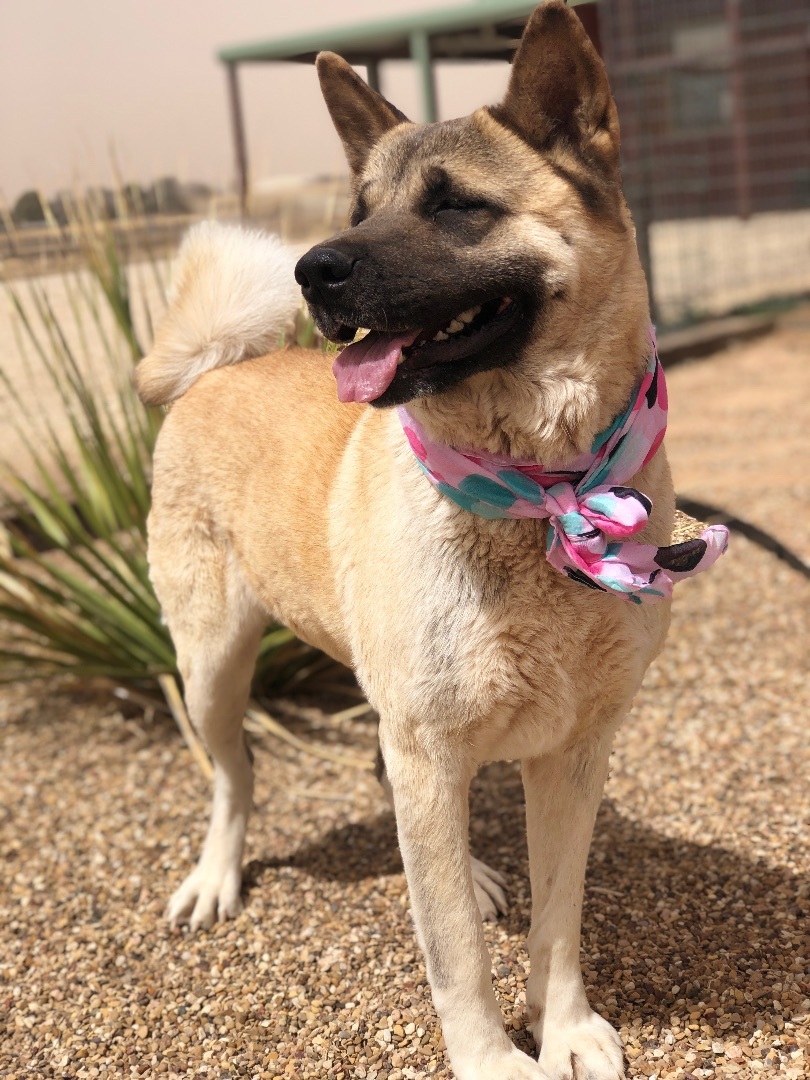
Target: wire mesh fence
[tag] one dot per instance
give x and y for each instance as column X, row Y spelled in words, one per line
column 714, row 102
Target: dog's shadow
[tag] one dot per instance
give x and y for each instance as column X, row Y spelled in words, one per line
column 663, row 907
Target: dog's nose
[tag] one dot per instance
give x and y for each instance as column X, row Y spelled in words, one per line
column 323, row 270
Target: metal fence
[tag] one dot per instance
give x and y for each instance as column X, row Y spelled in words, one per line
column 714, row 103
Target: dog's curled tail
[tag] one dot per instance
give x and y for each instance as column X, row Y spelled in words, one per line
column 233, row 298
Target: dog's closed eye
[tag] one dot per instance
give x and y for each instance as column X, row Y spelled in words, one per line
column 462, row 206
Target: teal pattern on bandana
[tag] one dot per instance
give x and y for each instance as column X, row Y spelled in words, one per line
column 590, row 509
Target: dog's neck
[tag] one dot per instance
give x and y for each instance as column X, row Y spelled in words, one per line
column 648, row 400
column 549, row 409
column 591, row 510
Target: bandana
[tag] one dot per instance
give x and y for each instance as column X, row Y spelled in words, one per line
column 590, row 509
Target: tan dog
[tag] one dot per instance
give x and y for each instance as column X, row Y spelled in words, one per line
column 272, row 499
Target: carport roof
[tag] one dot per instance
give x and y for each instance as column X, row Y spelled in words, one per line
column 486, row 30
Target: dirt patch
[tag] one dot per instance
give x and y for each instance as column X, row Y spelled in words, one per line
column 738, row 431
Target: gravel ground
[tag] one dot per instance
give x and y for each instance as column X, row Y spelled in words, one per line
column 696, row 937
column 738, row 432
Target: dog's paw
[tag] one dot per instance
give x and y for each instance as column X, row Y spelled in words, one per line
column 205, row 897
column 588, row 1050
column 513, row 1065
column 488, row 885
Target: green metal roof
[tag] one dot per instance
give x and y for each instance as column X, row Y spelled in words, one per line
column 486, row 30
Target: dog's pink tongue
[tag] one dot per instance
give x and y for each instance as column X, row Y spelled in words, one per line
column 365, row 369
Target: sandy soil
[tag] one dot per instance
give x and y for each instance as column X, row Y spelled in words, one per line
column 738, row 431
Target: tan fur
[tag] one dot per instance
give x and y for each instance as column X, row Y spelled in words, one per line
column 271, row 499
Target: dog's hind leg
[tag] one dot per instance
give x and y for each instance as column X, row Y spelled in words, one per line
column 216, row 625
column 563, row 792
column 488, row 884
column 489, row 889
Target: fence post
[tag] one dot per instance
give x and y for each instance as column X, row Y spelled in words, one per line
column 239, row 144
column 420, row 53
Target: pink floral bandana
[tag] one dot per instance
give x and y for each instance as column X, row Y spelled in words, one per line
column 590, row 511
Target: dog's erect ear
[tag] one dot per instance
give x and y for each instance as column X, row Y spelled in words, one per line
column 558, row 89
column 360, row 114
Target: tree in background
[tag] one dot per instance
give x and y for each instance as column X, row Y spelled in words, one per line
column 28, row 209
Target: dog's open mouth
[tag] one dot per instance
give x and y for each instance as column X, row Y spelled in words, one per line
column 365, row 369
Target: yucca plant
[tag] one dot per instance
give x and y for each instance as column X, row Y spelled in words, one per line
column 75, row 596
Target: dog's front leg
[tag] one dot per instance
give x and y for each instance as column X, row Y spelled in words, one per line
column 430, row 790
column 563, row 792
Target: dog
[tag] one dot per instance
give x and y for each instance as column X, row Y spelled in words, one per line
column 493, row 262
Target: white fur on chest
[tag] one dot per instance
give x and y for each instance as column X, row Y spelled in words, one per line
column 481, row 638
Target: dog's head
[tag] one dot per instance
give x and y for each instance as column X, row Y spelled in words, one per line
column 485, row 244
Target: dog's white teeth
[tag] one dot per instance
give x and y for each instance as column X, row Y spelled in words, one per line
column 456, row 325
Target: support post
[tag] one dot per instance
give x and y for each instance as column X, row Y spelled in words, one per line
column 373, row 74
column 239, row 144
column 420, row 54
column 742, row 170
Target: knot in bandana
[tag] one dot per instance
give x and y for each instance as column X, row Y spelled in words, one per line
column 589, row 507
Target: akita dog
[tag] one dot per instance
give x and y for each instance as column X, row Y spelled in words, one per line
column 483, row 555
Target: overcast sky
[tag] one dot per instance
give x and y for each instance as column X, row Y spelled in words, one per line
column 79, row 77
